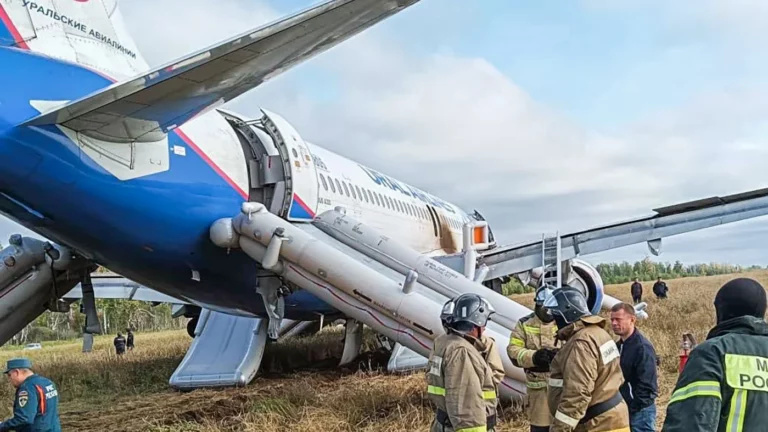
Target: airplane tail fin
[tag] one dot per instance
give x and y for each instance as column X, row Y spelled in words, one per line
column 90, row 33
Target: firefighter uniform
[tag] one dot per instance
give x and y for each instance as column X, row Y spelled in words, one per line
column 35, row 408
column 529, row 335
column 724, row 385
column 489, row 351
column 584, row 380
column 461, row 385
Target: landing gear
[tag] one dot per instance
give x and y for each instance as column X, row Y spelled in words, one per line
column 497, row 284
column 272, row 293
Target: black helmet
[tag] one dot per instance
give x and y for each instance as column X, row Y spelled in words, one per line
column 542, row 294
column 466, row 311
column 740, row 297
column 567, row 305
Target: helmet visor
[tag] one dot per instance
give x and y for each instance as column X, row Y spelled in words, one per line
column 542, row 295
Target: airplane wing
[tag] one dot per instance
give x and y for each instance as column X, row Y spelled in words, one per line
column 145, row 108
column 668, row 221
column 118, row 287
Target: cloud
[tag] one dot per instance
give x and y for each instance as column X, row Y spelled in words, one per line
column 744, row 20
column 169, row 29
column 458, row 127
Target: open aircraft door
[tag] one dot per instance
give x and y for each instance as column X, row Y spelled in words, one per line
column 301, row 175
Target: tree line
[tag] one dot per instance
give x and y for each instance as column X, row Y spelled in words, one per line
column 115, row 315
column 645, row 270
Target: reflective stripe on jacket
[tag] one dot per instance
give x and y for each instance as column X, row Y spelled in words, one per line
column 461, row 383
column 585, row 372
column 529, row 335
column 724, row 385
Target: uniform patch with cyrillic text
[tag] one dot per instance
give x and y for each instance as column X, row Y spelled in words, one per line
column 746, row 372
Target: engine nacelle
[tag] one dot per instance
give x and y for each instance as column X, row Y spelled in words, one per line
column 584, row 277
column 577, row 274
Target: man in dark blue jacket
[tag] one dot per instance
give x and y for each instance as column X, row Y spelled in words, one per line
column 36, row 406
column 638, row 364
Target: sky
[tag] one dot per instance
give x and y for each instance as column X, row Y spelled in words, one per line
column 541, row 117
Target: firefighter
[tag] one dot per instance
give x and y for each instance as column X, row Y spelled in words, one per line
column 532, row 348
column 460, row 382
column 487, row 347
column 724, row 384
column 36, row 406
column 585, row 375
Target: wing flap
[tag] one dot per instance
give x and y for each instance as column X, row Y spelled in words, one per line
column 145, row 108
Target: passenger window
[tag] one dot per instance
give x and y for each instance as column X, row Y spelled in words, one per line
column 352, row 188
column 295, row 153
column 338, row 186
column 346, row 191
column 358, row 192
column 390, row 203
column 325, row 185
column 378, row 201
column 333, row 188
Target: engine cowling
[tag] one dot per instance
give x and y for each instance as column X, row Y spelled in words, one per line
column 584, row 277
column 577, row 274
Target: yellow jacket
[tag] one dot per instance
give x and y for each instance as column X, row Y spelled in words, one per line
column 585, row 372
column 461, row 384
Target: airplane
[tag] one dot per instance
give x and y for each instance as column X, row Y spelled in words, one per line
column 240, row 219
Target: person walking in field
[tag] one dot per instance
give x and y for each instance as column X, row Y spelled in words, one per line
column 119, row 343
column 129, row 343
column 637, row 291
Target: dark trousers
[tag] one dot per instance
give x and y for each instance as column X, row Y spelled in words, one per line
column 637, row 298
column 539, row 428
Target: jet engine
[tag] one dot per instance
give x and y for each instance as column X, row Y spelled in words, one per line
column 577, row 274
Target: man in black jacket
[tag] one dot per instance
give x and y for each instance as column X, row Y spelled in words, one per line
column 660, row 289
column 637, row 291
column 119, row 344
column 638, row 364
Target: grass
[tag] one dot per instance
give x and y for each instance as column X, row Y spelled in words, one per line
column 299, row 388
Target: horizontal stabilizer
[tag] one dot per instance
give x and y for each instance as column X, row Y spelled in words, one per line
column 121, row 288
column 145, row 108
column 668, row 221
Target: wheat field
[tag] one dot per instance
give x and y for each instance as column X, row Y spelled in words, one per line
column 298, row 387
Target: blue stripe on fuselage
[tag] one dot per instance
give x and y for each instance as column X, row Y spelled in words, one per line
column 152, row 229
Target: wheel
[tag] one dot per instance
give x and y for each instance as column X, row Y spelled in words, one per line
column 191, row 325
column 495, row 285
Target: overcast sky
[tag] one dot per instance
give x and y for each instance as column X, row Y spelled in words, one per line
column 541, row 117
